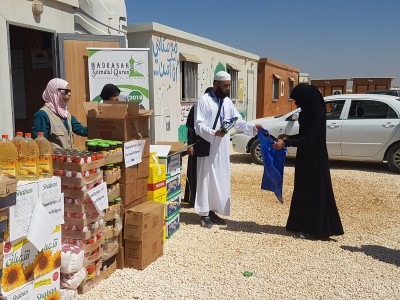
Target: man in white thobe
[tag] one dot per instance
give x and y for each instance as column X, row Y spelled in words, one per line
column 213, row 171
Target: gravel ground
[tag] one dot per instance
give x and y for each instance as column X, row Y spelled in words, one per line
column 203, row 263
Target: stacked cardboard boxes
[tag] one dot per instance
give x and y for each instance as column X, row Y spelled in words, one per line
column 143, row 234
column 172, row 160
column 125, row 122
column 32, row 247
column 134, row 178
column 8, row 187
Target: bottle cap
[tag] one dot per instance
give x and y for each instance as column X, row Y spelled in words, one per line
column 28, row 135
column 40, row 134
column 4, row 136
column 20, row 133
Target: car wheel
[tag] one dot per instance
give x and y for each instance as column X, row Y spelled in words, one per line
column 393, row 158
column 255, row 151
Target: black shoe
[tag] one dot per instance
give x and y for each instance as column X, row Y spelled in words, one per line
column 216, row 219
column 206, row 222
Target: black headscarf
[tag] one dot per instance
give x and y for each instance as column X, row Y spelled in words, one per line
column 108, row 91
column 308, row 98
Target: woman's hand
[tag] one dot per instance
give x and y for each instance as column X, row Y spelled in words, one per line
column 283, row 137
column 190, row 151
column 278, row 145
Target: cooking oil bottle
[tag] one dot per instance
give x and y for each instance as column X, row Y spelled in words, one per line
column 8, row 157
column 22, row 150
column 45, row 156
column 30, row 166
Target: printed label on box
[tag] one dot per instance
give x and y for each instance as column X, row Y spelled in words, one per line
column 173, row 184
column 21, row 212
column 18, row 264
column 133, row 152
column 47, row 286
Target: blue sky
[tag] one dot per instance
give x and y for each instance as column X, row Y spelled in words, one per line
column 327, row 39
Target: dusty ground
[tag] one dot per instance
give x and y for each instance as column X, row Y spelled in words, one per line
column 203, row 263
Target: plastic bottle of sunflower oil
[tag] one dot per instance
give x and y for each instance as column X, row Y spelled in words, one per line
column 21, row 146
column 30, row 166
column 8, row 157
column 45, row 156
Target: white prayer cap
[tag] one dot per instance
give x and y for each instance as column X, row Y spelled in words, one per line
column 222, row 76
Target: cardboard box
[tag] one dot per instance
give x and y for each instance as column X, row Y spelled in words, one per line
column 21, row 213
column 49, row 258
column 74, row 234
column 81, row 222
column 111, row 232
column 19, row 255
column 108, row 272
column 80, row 208
column 91, row 259
column 112, row 178
column 121, row 121
column 173, row 184
column 114, row 158
column 172, row 206
column 47, row 286
column 82, row 181
column 88, row 284
column 157, row 172
column 121, row 258
column 136, row 202
column 128, row 193
column 24, row 292
column 111, row 251
column 3, row 219
column 146, row 149
column 129, row 174
column 8, row 189
column 172, row 160
column 172, row 225
column 116, row 192
column 89, row 248
column 141, row 187
column 140, row 254
column 113, row 211
column 69, row 192
column 143, row 221
column 60, row 165
column 160, row 192
column 151, row 187
column 143, row 168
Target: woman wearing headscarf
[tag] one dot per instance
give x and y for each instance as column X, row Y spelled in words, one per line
column 313, row 211
column 54, row 120
column 110, row 92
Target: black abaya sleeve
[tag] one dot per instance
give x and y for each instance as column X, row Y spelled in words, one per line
column 190, row 127
column 308, row 132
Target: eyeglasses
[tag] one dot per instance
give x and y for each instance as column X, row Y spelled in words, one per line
column 65, row 91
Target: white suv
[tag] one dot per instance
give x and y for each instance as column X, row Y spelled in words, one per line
column 360, row 127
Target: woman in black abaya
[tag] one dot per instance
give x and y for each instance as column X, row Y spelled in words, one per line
column 313, row 211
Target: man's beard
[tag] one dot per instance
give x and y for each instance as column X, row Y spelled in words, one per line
column 220, row 94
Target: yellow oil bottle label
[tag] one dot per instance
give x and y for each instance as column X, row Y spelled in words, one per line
column 45, row 165
column 29, row 167
column 9, row 168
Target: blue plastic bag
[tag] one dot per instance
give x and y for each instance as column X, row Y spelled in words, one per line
column 274, row 164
